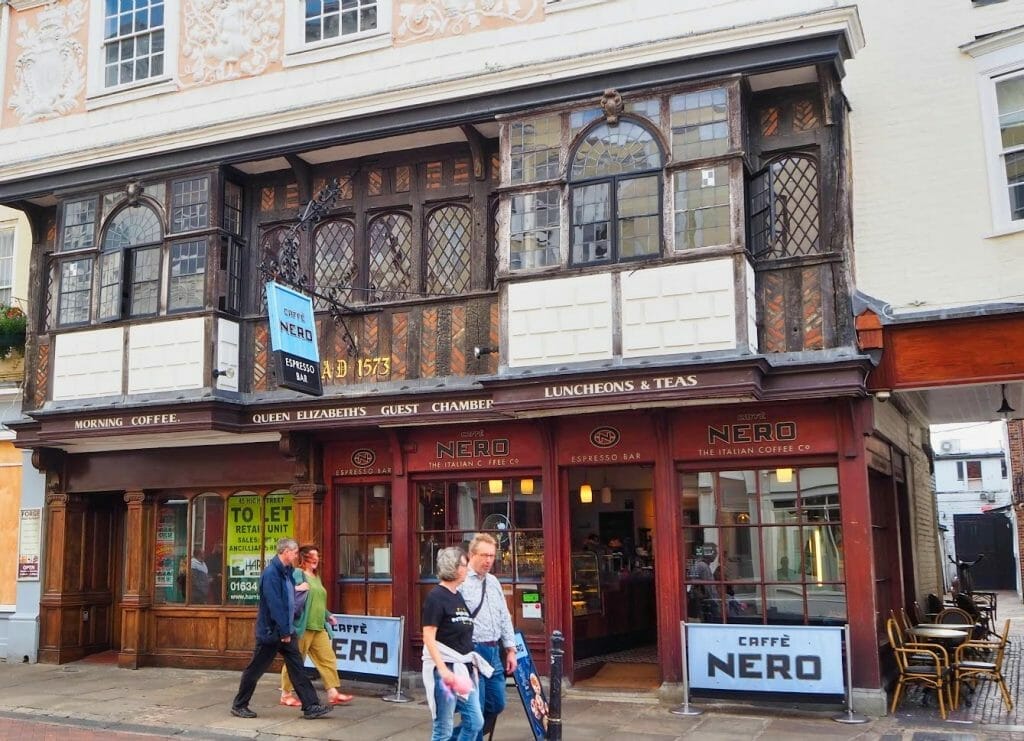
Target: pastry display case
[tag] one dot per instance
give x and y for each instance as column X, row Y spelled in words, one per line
column 586, row 584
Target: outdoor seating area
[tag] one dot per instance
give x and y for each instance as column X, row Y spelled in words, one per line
column 956, row 662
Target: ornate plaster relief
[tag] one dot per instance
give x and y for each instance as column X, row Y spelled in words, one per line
column 49, row 70
column 429, row 19
column 226, row 39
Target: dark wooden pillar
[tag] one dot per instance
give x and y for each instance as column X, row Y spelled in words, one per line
column 61, row 605
column 136, row 598
column 404, row 556
column 667, row 537
column 308, row 513
column 557, row 602
column 858, row 555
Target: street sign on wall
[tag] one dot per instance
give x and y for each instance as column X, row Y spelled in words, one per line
column 293, row 339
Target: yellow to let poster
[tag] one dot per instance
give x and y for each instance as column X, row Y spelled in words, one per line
column 278, row 520
column 244, row 549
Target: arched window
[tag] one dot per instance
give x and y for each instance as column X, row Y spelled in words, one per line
column 615, row 194
column 449, row 238
column 334, row 262
column 130, row 264
column 390, row 258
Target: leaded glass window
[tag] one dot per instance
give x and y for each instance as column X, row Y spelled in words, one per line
column 784, row 209
column 390, row 258
column 75, row 291
column 700, row 124
column 616, row 195
column 449, row 238
column 135, row 231
column 535, row 145
column 188, row 274
column 144, row 287
column 329, row 19
column 190, row 204
column 335, row 262
column 702, row 207
column 133, row 41
column 79, row 225
column 534, row 230
column 233, row 209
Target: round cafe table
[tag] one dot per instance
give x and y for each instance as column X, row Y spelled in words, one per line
column 944, row 635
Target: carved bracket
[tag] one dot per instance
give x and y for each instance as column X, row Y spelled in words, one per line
column 295, row 447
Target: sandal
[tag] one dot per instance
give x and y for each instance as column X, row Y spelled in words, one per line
column 290, row 700
column 338, row 698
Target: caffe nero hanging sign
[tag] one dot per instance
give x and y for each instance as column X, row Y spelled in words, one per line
column 293, row 339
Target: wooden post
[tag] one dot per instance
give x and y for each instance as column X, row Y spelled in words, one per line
column 136, row 599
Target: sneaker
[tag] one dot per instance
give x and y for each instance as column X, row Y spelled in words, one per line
column 243, row 712
column 315, row 711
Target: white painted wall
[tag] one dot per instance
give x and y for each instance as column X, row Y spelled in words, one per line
column 922, row 218
column 992, row 479
column 566, row 44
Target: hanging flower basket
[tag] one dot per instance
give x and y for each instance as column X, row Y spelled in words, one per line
column 12, row 330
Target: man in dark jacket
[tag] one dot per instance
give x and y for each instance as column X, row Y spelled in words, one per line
column 274, row 635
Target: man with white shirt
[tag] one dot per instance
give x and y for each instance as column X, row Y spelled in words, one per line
column 493, row 634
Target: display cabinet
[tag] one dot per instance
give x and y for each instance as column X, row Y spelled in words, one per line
column 586, row 584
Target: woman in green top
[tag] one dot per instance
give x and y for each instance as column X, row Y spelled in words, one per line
column 312, row 628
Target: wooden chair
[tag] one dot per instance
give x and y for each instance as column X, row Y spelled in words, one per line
column 967, row 667
column 956, row 616
column 926, row 664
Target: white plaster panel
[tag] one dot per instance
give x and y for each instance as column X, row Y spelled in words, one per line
column 560, row 321
column 166, row 356
column 693, row 309
column 227, row 354
column 752, row 344
column 87, row 364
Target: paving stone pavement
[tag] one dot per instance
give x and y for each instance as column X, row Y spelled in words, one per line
column 94, row 701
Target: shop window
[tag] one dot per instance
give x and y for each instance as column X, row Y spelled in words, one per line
column 615, row 196
column 764, row 546
column 364, row 565
column 450, row 513
column 211, row 550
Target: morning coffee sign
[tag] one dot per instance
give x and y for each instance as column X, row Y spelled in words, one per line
column 293, row 339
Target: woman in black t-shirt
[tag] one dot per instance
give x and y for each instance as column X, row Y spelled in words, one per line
column 448, row 630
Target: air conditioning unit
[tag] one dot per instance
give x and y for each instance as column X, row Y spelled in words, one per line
column 987, row 496
column 946, row 446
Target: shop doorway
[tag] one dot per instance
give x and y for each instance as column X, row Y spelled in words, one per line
column 612, row 590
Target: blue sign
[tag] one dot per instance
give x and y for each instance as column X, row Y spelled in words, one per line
column 293, row 339
column 365, row 644
column 530, row 690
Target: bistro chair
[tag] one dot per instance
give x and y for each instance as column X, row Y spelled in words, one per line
column 916, row 614
column 980, row 612
column 926, row 664
column 969, row 669
column 933, row 606
column 957, row 616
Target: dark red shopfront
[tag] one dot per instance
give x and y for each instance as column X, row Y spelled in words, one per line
column 779, row 489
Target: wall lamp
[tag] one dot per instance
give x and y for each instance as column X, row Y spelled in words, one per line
column 480, row 351
column 1005, row 410
column 229, row 373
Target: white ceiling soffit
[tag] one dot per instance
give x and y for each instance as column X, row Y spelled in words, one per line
column 415, row 140
column 163, row 440
column 963, row 404
column 783, row 78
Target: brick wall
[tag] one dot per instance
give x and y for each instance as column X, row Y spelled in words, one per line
column 1015, row 434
